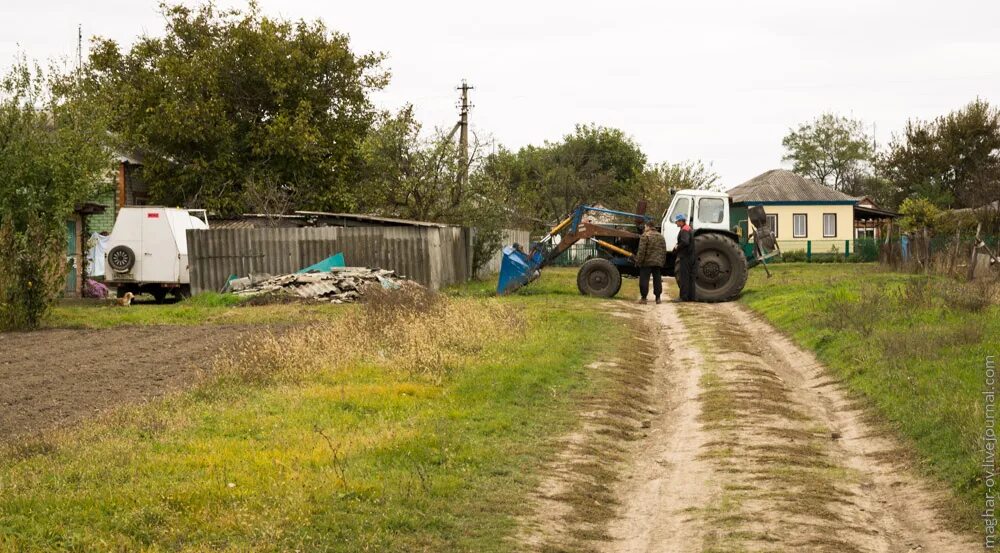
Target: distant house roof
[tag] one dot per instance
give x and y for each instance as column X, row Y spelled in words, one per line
column 783, row 186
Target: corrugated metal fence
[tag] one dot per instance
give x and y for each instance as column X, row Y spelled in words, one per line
column 432, row 256
column 510, row 237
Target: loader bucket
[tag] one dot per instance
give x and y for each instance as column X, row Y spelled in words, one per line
column 516, row 270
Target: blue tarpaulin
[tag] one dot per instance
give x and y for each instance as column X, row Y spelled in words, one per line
column 335, row 260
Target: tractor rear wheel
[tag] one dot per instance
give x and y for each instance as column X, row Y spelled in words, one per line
column 722, row 268
column 599, row 277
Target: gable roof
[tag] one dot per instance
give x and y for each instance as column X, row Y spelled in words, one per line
column 781, row 185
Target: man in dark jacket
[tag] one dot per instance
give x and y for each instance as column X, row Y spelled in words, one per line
column 651, row 257
column 687, row 261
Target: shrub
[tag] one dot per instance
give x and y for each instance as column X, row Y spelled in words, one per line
column 53, row 153
column 32, row 272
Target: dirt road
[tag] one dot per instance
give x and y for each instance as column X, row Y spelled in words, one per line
column 752, row 447
column 56, row 377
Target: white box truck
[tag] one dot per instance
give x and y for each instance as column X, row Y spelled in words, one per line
column 147, row 251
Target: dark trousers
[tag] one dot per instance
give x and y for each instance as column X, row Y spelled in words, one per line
column 685, row 277
column 644, row 273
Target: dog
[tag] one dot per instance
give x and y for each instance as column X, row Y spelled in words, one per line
column 126, row 300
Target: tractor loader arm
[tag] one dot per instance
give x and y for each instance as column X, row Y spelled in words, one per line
column 519, row 267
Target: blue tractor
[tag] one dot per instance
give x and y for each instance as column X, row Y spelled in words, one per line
column 725, row 253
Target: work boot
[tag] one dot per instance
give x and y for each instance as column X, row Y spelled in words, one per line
column 642, row 300
column 657, row 300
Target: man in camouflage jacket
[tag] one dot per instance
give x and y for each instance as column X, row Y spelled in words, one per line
column 651, row 257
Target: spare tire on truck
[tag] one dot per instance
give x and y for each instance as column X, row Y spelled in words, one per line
column 722, row 268
column 121, row 259
column 599, row 277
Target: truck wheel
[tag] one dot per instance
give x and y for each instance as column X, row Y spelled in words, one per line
column 599, row 277
column 722, row 268
column 121, row 259
column 159, row 294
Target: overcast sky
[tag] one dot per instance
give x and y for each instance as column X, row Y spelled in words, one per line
column 720, row 81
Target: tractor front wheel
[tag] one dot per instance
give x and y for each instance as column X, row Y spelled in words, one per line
column 599, row 277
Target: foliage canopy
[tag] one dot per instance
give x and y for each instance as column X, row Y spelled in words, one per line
column 227, row 98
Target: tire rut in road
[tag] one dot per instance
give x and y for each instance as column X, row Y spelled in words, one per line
column 760, row 449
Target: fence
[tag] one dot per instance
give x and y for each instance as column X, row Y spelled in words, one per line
column 870, row 249
column 510, row 237
column 432, row 256
column 577, row 254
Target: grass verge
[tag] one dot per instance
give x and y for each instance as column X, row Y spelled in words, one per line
column 913, row 347
column 384, row 429
column 223, row 309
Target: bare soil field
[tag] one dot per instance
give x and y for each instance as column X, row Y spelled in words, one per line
column 52, row 378
column 749, row 445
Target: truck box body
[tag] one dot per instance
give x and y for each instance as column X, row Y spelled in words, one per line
column 156, row 239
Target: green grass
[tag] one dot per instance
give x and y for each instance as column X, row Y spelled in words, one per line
column 363, row 458
column 201, row 309
column 913, row 348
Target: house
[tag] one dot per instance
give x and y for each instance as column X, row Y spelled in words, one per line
column 97, row 215
column 804, row 214
column 77, row 235
column 870, row 221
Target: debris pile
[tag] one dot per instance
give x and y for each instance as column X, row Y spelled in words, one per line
column 339, row 285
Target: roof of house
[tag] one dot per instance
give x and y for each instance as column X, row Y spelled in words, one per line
column 781, row 185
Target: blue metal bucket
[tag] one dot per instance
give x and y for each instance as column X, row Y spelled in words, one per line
column 516, row 270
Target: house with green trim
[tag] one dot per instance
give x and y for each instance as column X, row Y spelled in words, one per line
column 804, row 214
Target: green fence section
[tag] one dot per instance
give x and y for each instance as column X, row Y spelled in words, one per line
column 576, row 255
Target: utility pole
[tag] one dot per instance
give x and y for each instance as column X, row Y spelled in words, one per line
column 79, row 50
column 463, row 137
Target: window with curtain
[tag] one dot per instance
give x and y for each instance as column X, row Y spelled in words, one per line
column 799, row 225
column 829, row 225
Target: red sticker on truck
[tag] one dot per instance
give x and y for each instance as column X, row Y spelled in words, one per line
column 153, row 215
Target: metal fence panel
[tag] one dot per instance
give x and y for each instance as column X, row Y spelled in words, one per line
column 510, row 237
column 432, row 256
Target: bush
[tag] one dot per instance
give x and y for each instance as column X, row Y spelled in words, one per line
column 32, row 272
column 53, row 153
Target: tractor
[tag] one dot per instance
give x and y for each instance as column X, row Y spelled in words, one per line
column 725, row 253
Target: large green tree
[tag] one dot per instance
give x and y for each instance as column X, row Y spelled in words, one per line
column 53, row 155
column 593, row 164
column 830, row 149
column 411, row 174
column 416, row 175
column 658, row 182
column 953, row 161
column 230, row 99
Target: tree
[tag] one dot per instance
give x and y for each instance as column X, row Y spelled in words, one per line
column 227, row 98
column 593, row 164
column 420, row 177
column 658, row 181
column 829, row 150
column 408, row 174
column 954, row 160
column 918, row 213
column 52, row 156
